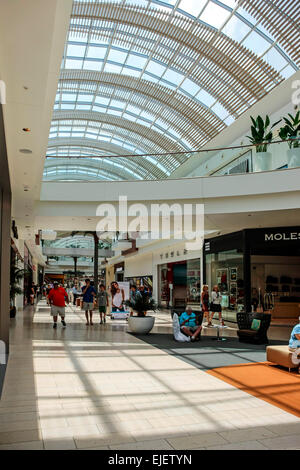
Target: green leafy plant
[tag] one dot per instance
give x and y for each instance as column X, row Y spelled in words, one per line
column 291, row 130
column 16, row 276
column 261, row 133
column 141, row 305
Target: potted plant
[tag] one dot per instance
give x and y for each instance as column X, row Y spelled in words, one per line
column 141, row 323
column 16, row 276
column 261, row 136
column 291, row 132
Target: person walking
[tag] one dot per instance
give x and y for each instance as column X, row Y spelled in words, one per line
column 89, row 293
column 102, row 303
column 58, row 298
column 215, row 305
column 205, row 303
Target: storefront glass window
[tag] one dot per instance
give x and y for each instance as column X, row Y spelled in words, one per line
column 193, row 281
column 226, row 270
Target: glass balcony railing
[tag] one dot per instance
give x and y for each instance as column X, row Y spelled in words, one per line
column 215, row 161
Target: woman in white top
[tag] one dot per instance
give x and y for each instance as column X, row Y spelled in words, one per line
column 118, row 297
column 215, row 305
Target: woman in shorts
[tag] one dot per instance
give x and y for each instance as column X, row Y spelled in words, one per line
column 215, row 305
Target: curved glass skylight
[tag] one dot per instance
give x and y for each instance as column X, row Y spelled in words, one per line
column 167, row 85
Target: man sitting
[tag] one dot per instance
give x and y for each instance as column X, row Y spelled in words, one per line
column 189, row 325
column 294, row 345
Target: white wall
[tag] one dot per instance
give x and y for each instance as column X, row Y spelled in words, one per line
column 139, row 265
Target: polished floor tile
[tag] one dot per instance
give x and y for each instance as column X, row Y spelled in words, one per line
column 101, row 388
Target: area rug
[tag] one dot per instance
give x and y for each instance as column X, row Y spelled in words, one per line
column 268, row 382
column 207, row 353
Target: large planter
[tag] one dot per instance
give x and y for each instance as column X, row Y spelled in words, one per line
column 262, row 161
column 293, row 157
column 141, row 325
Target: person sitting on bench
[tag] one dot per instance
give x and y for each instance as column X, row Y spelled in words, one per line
column 189, row 325
column 294, row 345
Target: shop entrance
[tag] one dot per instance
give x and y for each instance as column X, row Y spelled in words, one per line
column 179, row 283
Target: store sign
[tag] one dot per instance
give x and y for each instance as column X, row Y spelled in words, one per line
column 278, row 237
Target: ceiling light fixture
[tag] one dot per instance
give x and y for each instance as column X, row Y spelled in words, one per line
column 26, row 129
column 26, row 151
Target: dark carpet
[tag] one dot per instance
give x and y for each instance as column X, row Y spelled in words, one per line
column 207, row 353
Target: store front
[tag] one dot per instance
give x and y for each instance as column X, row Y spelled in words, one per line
column 179, row 283
column 256, row 269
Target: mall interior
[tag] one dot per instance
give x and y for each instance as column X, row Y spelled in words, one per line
column 176, row 104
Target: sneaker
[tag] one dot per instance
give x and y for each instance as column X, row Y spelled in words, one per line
column 104, row 320
column 63, row 323
column 193, row 339
column 101, row 323
column 54, row 325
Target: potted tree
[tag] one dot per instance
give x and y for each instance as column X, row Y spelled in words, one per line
column 291, row 132
column 16, row 276
column 141, row 323
column 261, row 136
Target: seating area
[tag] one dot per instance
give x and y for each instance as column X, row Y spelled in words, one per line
column 280, row 355
column 253, row 332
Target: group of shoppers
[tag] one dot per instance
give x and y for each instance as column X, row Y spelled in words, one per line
column 58, row 297
column 211, row 304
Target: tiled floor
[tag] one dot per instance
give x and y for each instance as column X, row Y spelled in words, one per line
column 100, row 388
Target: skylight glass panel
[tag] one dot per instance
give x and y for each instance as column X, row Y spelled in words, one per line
column 131, row 72
column 214, row 15
column 193, row 7
column 68, row 96
column 102, row 100
column 96, row 52
column 75, row 50
column 112, row 68
column 92, row 65
column 117, row 56
column 88, row 98
column 275, row 59
column 136, row 61
column 255, row 43
column 173, row 77
column 73, row 64
column 114, row 112
column 148, row 77
column 117, row 104
column 67, row 106
column 205, row 98
column 190, row 87
column 241, row 11
column 288, row 71
column 236, row 29
column 229, row 120
column 84, row 107
column 230, row 3
column 155, row 68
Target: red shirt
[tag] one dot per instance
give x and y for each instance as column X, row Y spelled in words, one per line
column 57, row 296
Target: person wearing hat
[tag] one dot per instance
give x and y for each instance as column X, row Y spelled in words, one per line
column 57, row 298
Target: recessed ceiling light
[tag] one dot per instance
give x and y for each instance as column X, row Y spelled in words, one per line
column 26, row 129
column 26, row 151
